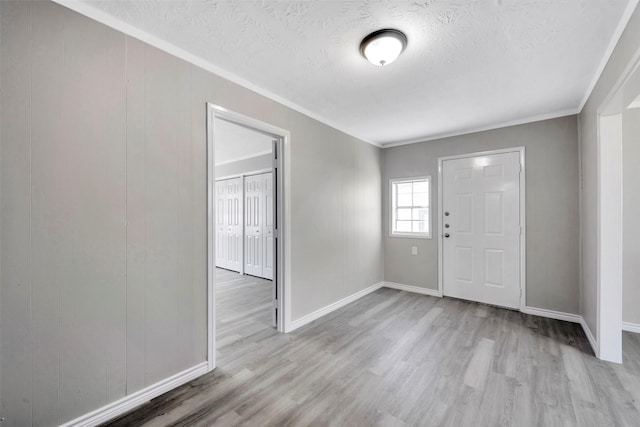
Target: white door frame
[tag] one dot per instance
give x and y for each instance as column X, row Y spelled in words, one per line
column 609, row 237
column 607, row 344
column 523, row 270
column 283, row 209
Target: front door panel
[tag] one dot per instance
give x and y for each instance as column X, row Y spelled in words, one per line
column 481, row 217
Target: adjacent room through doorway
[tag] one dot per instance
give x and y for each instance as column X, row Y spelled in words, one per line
column 244, row 218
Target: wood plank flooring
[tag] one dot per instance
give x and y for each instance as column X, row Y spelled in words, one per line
column 242, row 303
column 394, row 358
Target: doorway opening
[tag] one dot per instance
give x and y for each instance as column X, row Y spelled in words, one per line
column 246, row 218
column 618, row 151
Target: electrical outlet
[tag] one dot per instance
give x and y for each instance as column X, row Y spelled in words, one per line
column 414, row 250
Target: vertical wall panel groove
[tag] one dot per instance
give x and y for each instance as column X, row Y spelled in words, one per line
column 46, row 210
column 161, row 184
column 115, row 203
column 16, row 358
column 120, row 232
column 184, row 223
column 136, row 217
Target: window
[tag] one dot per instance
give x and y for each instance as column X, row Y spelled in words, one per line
column 411, row 207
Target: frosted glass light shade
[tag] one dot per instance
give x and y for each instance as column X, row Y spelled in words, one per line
column 383, row 47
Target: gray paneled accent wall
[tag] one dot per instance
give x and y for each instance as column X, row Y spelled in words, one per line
column 587, row 122
column 551, row 208
column 103, row 246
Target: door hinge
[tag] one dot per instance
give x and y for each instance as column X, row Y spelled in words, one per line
column 275, row 163
column 276, row 234
column 275, row 303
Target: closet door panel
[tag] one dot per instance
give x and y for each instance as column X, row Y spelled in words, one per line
column 253, row 225
column 268, row 226
column 229, row 224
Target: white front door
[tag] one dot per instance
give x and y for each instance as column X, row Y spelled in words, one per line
column 481, row 228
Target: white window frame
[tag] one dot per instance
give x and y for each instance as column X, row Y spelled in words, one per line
column 392, row 208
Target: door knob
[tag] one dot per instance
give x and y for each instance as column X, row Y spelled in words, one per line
column 446, row 214
column 446, row 235
column 446, row 226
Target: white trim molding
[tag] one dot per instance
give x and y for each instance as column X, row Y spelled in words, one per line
column 485, row 128
column 295, row 324
column 624, row 20
column 127, row 403
column 608, row 232
column 567, row 317
column 241, row 158
column 283, row 202
column 245, row 174
column 393, row 208
column 86, row 9
column 414, row 289
column 592, row 340
column 631, row 327
column 551, row 314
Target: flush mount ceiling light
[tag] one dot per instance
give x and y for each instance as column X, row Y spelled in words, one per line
column 382, row 47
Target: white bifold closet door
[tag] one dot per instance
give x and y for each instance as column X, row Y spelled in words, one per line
column 229, row 224
column 269, row 243
column 258, row 239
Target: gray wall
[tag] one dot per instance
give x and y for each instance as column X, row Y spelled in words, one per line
column 251, row 164
column 551, row 208
column 631, row 213
column 103, row 246
column 336, row 204
column 624, row 51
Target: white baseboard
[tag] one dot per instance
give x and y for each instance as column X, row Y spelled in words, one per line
column 590, row 337
column 631, row 327
column 331, row 307
column 127, row 403
column 568, row 317
column 414, row 289
column 558, row 315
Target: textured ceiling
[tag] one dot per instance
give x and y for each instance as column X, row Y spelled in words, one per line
column 468, row 64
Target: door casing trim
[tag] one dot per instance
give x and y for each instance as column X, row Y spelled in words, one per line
column 283, row 251
column 523, row 235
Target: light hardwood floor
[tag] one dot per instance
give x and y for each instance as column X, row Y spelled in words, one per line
column 394, row 358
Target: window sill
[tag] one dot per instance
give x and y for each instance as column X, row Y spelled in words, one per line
column 410, row 236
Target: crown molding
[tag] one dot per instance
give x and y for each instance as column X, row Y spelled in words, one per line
column 530, row 119
column 91, row 12
column 626, row 16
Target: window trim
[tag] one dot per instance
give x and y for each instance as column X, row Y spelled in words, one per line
column 411, row 234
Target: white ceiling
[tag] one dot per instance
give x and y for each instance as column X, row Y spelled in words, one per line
column 235, row 142
column 469, row 65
